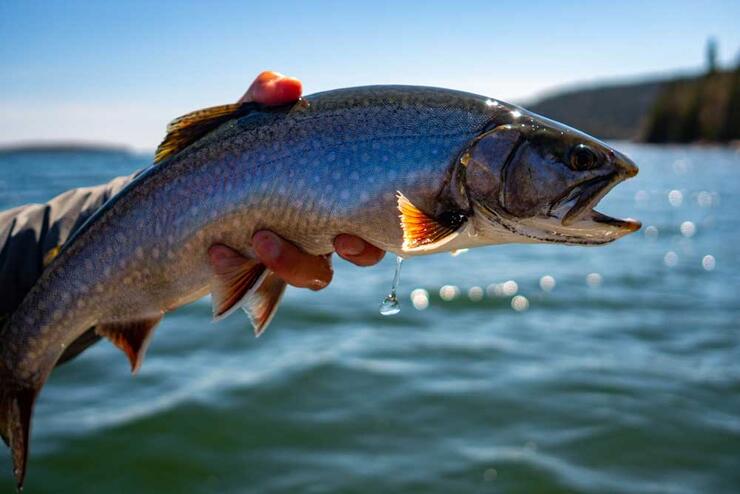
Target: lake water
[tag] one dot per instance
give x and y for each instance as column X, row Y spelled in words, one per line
column 623, row 377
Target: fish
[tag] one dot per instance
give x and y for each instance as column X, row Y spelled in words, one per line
column 412, row 170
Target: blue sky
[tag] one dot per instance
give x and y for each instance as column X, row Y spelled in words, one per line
column 119, row 71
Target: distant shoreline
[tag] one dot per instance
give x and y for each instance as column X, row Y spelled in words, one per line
column 63, row 147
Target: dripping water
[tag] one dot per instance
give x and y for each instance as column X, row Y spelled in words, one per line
column 390, row 304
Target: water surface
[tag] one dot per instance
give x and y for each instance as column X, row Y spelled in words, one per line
column 624, row 378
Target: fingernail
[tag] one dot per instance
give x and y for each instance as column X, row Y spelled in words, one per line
column 317, row 285
column 267, row 245
column 351, row 246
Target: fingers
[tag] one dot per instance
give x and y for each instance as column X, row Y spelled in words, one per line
column 290, row 263
column 273, row 88
column 357, row 251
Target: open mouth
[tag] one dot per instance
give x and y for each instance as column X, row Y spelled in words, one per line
column 586, row 196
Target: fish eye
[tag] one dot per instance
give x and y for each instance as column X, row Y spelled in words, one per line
column 582, row 158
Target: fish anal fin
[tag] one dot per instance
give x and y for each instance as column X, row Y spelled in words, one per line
column 262, row 303
column 187, row 129
column 235, row 276
column 422, row 232
column 132, row 337
column 16, row 409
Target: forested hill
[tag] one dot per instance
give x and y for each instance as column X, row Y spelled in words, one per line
column 680, row 109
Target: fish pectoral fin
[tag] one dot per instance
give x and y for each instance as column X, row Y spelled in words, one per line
column 187, row 129
column 422, row 232
column 132, row 337
column 235, row 277
column 262, row 303
column 16, row 409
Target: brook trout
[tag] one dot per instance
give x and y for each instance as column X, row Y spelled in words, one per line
column 412, row 170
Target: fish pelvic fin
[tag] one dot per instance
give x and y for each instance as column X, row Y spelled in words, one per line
column 132, row 337
column 187, row 129
column 422, row 232
column 240, row 281
column 263, row 302
column 16, row 409
column 235, row 276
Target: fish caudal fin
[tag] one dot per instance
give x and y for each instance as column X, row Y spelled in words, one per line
column 132, row 337
column 16, row 408
column 241, row 281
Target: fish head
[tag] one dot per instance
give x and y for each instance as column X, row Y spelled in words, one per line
column 540, row 181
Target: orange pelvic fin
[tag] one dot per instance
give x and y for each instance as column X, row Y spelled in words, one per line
column 262, row 304
column 235, row 276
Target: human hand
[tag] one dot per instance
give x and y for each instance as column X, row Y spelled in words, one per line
column 280, row 256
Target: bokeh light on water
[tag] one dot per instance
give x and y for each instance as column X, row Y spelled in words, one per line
column 630, row 385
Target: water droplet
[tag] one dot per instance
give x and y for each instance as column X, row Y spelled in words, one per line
column 708, row 262
column 390, row 306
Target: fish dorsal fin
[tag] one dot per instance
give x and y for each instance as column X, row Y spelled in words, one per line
column 16, row 409
column 263, row 302
column 51, row 254
column 421, row 232
column 187, row 129
column 132, row 337
column 235, row 276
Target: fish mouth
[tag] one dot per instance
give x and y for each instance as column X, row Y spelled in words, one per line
column 585, row 196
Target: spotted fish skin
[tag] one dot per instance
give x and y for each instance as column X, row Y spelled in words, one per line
column 332, row 163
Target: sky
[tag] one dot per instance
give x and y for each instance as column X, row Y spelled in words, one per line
column 117, row 72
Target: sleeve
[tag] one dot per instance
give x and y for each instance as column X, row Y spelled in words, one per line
column 28, row 233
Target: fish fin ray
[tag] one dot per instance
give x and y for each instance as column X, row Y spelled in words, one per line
column 16, row 409
column 261, row 305
column 132, row 337
column 235, row 277
column 421, row 232
column 187, row 129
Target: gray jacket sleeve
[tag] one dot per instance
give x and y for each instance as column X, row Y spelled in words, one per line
column 28, row 233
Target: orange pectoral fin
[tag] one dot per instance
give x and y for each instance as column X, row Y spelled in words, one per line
column 132, row 337
column 421, row 232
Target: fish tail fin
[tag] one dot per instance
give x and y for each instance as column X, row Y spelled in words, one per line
column 16, row 408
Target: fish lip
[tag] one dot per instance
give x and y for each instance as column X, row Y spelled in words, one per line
column 629, row 224
column 591, row 192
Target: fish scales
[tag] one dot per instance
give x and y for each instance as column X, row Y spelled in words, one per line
column 336, row 162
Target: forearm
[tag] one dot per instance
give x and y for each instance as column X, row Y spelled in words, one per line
column 28, row 233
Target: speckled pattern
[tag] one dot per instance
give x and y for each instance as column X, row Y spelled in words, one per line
column 331, row 164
